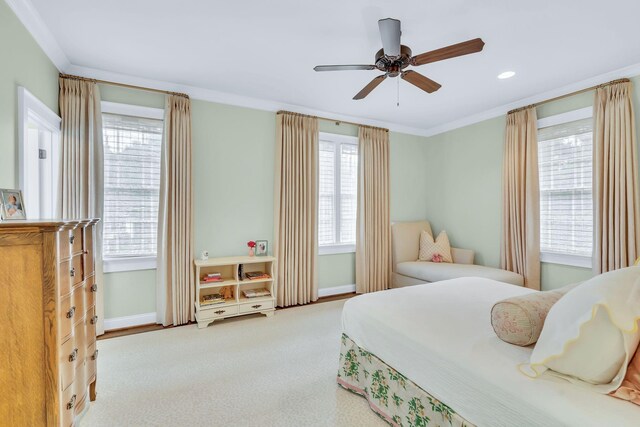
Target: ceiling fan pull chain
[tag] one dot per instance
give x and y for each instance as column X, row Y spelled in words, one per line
column 398, row 93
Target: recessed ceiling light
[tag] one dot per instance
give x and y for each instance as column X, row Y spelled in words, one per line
column 506, row 75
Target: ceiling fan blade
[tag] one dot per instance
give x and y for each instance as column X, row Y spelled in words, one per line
column 371, row 86
column 424, row 83
column 343, row 67
column 390, row 35
column 459, row 49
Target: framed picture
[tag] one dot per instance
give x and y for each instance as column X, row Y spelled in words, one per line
column 11, row 205
column 262, row 247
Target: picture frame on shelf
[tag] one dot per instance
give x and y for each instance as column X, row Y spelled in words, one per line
column 262, row 247
column 11, row 205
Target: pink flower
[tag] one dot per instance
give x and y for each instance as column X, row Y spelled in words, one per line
column 436, row 258
column 251, row 244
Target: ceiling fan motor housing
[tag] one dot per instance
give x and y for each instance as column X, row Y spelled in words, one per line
column 393, row 65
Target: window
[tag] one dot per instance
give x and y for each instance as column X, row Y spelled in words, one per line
column 132, row 138
column 565, row 160
column 338, row 176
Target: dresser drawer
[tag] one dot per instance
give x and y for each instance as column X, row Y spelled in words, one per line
column 90, row 291
column 75, row 272
column 64, row 246
column 66, row 316
column 75, row 240
column 80, row 339
column 67, row 406
column 257, row 306
column 89, row 261
column 68, row 357
column 92, row 361
column 78, row 298
column 219, row 312
column 64, row 277
column 80, row 385
column 91, row 321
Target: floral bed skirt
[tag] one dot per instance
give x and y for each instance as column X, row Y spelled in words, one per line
column 391, row 395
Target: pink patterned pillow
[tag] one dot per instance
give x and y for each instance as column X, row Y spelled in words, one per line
column 630, row 387
column 519, row 320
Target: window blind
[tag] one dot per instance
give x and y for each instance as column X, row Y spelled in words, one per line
column 132, row 147
column 338, row 183
column 565, row 161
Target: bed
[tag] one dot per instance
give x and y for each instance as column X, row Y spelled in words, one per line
column 427, row 355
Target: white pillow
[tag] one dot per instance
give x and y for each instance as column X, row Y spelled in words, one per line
column 429, row 247
column 591, row 333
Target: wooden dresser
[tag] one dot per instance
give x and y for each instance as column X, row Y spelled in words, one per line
column 47, row 321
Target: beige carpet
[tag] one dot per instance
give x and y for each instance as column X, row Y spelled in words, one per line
column 250, row 371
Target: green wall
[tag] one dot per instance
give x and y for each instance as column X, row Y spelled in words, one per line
column 465, row 195
column 233, row 175
column 23, row 64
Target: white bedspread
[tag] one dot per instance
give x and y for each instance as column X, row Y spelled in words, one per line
column 439, row 335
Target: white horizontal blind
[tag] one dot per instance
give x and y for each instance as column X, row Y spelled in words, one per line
column 338, row 183
column 565, row 161
column 131, row 185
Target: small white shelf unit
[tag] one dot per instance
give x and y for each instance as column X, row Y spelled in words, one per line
column 237, row 304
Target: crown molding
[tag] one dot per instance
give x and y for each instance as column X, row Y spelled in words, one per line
column 232, row 99
column 630, row 71
column 30, row 18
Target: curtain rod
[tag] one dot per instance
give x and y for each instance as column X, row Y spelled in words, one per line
column 106, row 82
column 566, row 95
column 337, row 122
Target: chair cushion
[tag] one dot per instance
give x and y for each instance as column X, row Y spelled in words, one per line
column 440, row 248
column 435, row 272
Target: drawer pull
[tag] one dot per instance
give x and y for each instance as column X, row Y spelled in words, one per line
column 74, row 355
column 257, row 306
column 94, row 287
column 95, row 355
column 72, row 273
column 220, row 311
column 94, row 320
column 71, row 239
column 71, row 312
column 71, row 403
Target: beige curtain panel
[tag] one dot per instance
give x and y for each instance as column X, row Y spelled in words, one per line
column 615, row 173
column 520, row 243
column 81, row 185
column 295, row 209
column 373, row 228
column 175, row 275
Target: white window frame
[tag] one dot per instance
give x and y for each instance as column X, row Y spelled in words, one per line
column 554, row 257
column 114, row 265
column 337, row 139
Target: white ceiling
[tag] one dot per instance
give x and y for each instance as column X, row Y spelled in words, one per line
column 267, row 49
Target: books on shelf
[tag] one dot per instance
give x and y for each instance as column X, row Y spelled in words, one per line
column 212, row 278
column 212, row 299
column 255, row 275
column 254, row 293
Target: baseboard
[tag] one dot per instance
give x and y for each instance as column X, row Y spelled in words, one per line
column 336, row 290
column 129, row 321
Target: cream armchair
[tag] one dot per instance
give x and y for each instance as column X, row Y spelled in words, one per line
column 407, row 270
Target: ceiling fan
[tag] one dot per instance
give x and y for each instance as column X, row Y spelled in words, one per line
column 394, row 57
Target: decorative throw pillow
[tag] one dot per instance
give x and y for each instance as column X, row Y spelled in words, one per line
column 438, row 251
column 519, row 320
column 630, row 388
column 591, row 333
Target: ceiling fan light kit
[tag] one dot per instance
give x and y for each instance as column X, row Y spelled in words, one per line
column 394, row 57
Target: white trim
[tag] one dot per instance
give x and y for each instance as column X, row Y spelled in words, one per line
column 335, row 290
column 630, row 71
column 32, row 110
column 35, row 25
column 115, row 265
column 129, row 321
column 336, row 249
column 569, row 116
column 31, row 19
column 566, row 259
column 132, row 110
